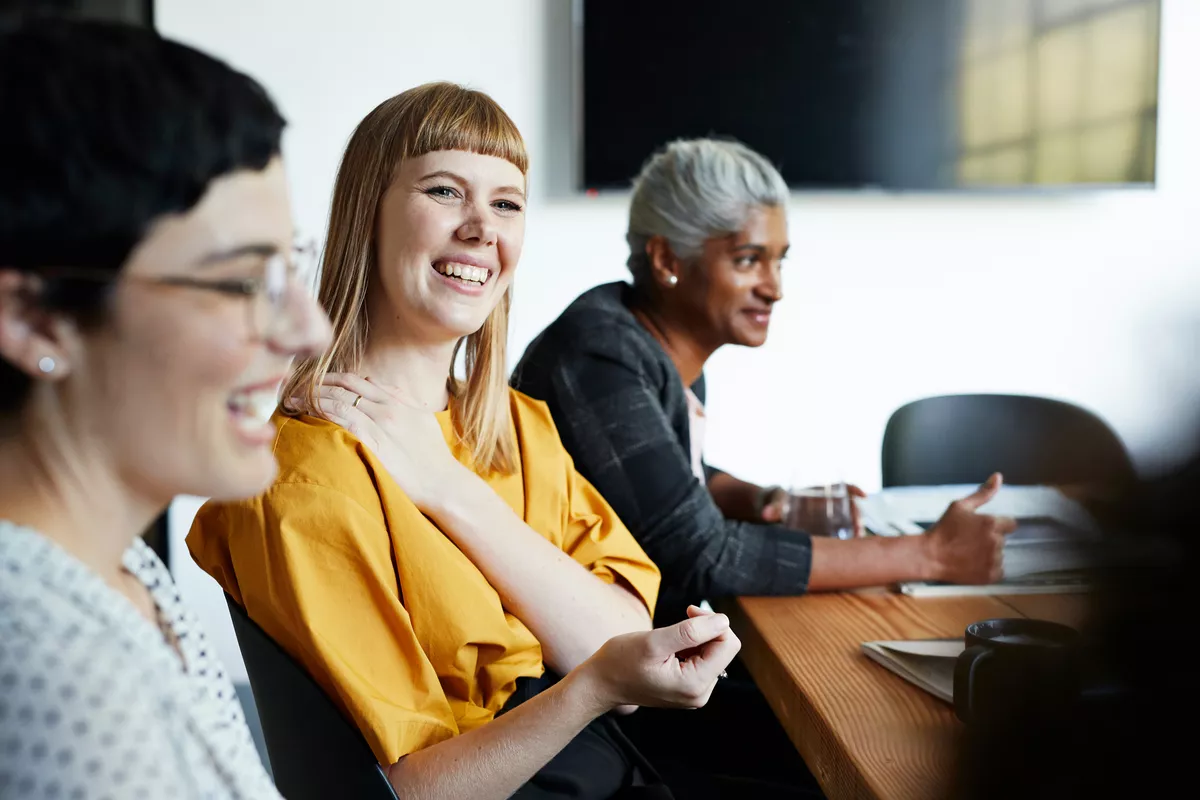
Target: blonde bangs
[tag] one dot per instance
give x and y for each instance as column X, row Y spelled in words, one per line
column 456, row 118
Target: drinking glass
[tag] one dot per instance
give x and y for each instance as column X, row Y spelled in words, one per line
column 821, row 510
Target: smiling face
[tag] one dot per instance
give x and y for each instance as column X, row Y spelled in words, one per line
column 449, row 234
column 729, row 292
column 176, row 385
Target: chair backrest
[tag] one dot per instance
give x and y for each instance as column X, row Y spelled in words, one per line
column 315, row 752
column 1032, row 440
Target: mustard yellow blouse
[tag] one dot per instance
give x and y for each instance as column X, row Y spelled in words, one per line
column 384, row 611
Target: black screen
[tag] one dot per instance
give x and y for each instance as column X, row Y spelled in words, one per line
column 919, row 94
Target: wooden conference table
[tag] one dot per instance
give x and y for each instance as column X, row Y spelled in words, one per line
column 863, row 731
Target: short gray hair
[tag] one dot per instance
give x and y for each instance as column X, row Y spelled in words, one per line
column 697, row 189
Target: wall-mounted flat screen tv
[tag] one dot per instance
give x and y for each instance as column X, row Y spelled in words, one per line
column 889, row 94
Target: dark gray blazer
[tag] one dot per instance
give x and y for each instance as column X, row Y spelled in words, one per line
column 621, row 411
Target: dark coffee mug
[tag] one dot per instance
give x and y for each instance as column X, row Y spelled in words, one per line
column 1010, row 664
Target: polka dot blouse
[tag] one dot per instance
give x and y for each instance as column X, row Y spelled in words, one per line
column 94, row 703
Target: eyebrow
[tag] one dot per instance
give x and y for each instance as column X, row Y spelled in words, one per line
column 759, row 248
column 262, row 249
column 443, row 173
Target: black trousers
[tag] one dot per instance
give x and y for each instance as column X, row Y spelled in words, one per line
column 733, row 747
column 598, row 764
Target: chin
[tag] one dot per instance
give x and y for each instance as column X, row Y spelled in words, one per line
column 251, row 475
column 456, row 327
column 751, row 340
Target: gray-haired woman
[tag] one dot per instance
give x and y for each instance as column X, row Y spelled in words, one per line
column 622, row 373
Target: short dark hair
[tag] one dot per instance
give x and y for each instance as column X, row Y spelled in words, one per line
column 108, row 127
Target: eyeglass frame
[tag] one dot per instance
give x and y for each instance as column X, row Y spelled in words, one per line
column 244, row 287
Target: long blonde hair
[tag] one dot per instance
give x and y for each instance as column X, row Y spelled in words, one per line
column 425, row 119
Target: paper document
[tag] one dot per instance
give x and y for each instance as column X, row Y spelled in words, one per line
column 926, row 663
column 1067, row 582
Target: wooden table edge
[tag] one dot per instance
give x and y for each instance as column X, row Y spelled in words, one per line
column 816, row 747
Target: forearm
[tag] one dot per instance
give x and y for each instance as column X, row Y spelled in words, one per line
column 736, row 498
column 568, row 609
column 496, row 759
column 869, row 561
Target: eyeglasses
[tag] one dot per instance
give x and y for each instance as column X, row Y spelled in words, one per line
column 272, row 299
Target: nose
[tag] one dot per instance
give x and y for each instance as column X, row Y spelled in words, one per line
column 478, row 227
column 770, row 288
column 303, row 330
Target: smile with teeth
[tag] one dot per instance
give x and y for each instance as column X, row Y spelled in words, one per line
column 462, row 272
column 252, row 410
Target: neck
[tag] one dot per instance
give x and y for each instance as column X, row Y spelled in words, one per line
column 415, row 373
column 686, row 350
column 72, row 494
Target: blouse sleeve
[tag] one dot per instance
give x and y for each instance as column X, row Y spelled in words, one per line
column 322, row 584
column 563, row 506
column 595, row 537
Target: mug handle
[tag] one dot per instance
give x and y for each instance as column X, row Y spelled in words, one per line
column 964, row 678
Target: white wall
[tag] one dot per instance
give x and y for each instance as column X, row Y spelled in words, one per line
column 1090, row 297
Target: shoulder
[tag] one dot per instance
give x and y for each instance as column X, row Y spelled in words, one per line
column 313, row 450
column 318, row 461
column 599, row 320
column 326, row 476
column 597, row 323
column 533, row 422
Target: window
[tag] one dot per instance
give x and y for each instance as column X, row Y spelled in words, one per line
column 1058, row 91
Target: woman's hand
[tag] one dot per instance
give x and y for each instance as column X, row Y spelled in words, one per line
column 775, row 502
column 407, row 440
column 968, row 547
column 673, row 667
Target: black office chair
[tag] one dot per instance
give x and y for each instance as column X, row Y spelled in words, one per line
column 315, row 752
column 1031, row 440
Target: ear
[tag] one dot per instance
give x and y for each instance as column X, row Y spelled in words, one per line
column 31, row 339
column 665, row 267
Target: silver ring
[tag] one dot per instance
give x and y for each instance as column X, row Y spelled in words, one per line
column 723, row 674
column 357, row 400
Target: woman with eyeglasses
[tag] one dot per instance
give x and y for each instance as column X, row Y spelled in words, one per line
column 149, row 309
column 428, row 551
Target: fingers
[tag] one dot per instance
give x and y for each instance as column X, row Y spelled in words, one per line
column 707, row 662
column 1005, row 525
column 983, row 494
column 356, row 385
column 692, row 632
column 344, row 403
column 697, row 611
column 773, row 512
column 855, row 491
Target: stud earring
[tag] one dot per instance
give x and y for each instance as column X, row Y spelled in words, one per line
column 672, row 280
column 46, row 364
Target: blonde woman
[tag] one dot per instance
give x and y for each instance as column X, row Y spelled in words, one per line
column 429, row 550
